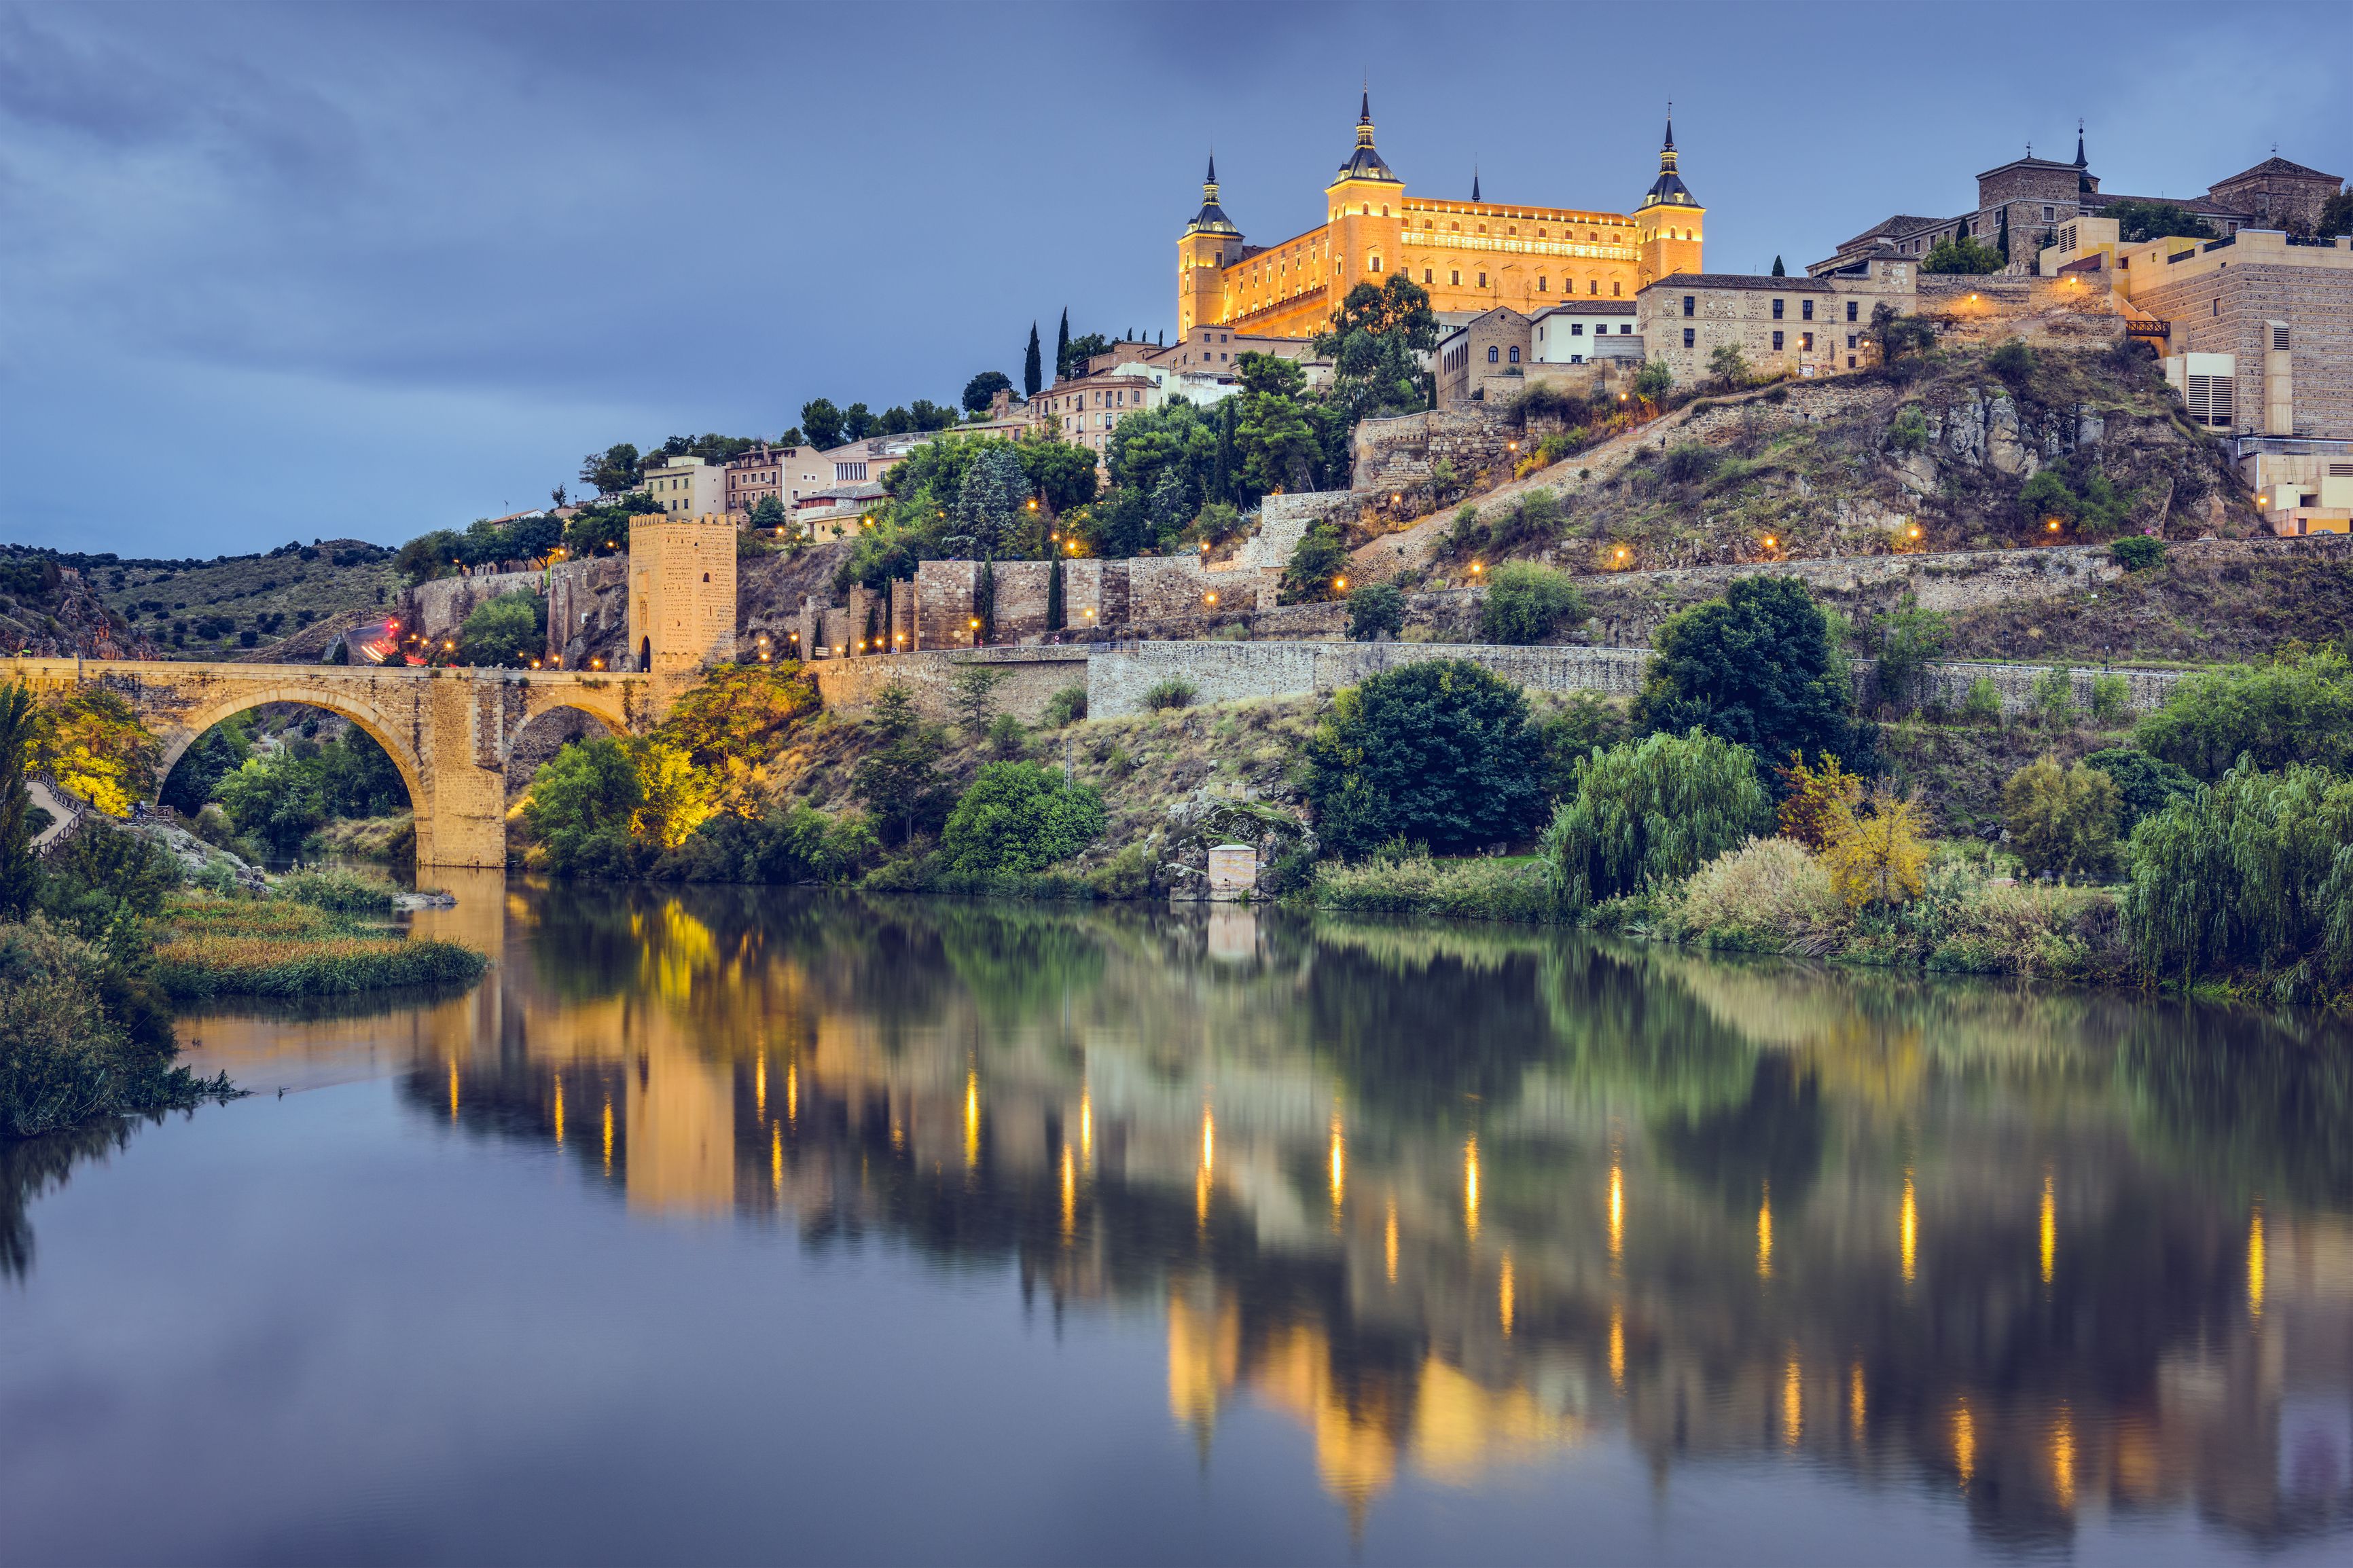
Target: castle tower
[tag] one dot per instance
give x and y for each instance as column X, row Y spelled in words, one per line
column 1365, row 212
column 1667, row 224
column 1209, row 243
column 681, row 593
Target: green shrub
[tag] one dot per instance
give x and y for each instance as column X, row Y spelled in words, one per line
column 1652, row 812
column 1171, row 693
column 2111, row 697
column 1007, row 738
column 1066, row 707
column 2010, row 360
column 1019, row 817
column 2144, row 785
column 1439, row 751
column 2296, row 708
column 1768, row 893
column 1983, row 703
column 509, row 630
column 1691, row 462
column 82, row 1036
column 1526, row 604
column 2063, row 821
column 1909, row 433
column 791, row 844
column 2252, row 873
column 2052, row 695
column 1317, row 570
column 2089, row 503
column 1376, row 610
column 2137, row 552
column 1756, row 667
column 104, row 875
column 338, row 890
column 1480, row 888
column 1577, row 727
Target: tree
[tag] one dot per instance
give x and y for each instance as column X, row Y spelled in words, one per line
column 1061, row 473
column 821, row 422
column 1585, row 722
column 1376, row 611
column 1057, row 611
column 2063, row 821
column 1647, row 812
column 510, row 631
column 1083, row 349
column 2087, row 506
column 1318, row 568
column 1755, row 667
column 990, row 501
column 1374, row 342
column 1899, row 334
column 1910, row 639
column 218, row 752
column 19, row 877
column 1780, row 271
column 1062, row 347
column 91, row 742
column 972, row 696
column 1033, row 374
column 585, row 795
column 857, row 422
column 2139, row 221
column 983, row 388
column 612, row 472
column 900, row 780
column 1270, row 433
column 2296, row 708
column 1809, row 796
column 428, row 556
column 2144, row 785
column 1878, row 858
column 767, row 513
column 1019, row 817
column 2335, row 215
column 1526, row 604
column 1438, row 752
column 1728, row 365
column 1654, row 381
column 1962, row 253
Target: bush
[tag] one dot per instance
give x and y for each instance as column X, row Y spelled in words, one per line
column 509, row 630
column 2144, row 785
column 791, row 844
column 1480, row 889
column 1755, row 667
column 1983, row 703
column 1439, row 751
column 1652, row 812
column 1318, row 568
column 1692, row 462
column 2090, row 505
column 2111, row 697
column 1909, row 432
column 1006, row 737
column 1065, row 708
column 1019, row 817
column 1768, row 893
column 1376, row 610
column 91, row 742
column 105, row 876
column 2298, row 709
column 2063, row 821
column 1910, row 639
column 1809, row 796
column 1167, row 694
column 580, row 806
column 82, row 1036
column 2137, row 552
column 337, row 890
column 2250, row 874
column 1527, row 604
column 2052, row 695
column 2011, row 360
column 1878, row 856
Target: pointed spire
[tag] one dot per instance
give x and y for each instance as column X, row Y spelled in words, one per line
column 1670, row 145
column 1365, row 107
column 2081, row 161
column 1474, row 182
column 1213, row 167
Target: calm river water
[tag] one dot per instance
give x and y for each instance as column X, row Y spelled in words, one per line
column 723, row 1225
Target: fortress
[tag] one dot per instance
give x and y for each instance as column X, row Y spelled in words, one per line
column 1470, row 256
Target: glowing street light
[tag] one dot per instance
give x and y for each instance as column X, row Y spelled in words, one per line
column 1341, row 583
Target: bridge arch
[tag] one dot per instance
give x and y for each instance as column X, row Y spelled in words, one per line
column 192, row 727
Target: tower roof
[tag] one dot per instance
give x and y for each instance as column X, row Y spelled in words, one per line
column 1365, row 162
column 1211, row 218
column 1668, row 189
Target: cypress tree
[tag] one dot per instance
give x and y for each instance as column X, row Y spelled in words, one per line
column 1032, row 373
column 1062, row 346
column 2003, row 239
column 20, row 880
column 1054, row 611
column 1780, row 271
column 1222, row 478
column 984, row 601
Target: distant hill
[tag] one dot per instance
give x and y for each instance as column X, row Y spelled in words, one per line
column 231, row 606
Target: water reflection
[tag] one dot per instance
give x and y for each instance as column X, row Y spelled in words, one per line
column 1459, row 1201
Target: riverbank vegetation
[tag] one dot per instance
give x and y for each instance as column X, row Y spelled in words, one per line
column 313, row 939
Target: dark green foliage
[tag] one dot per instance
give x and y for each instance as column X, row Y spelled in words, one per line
column 1780, row 271
column 2253, row 874
column 509, row 631
column 1755, row 667
column 2013, row 361
column 1438, row 752
column 1649, row 811
column 19, row 877
column 1910, row 639
column 900, row 780
column 1656, row 379
column 1376, row 611
column 2296, row 708
column 1899, row 334
column 1019, row 817
column 2082, row 500
column 1318, row 568
column 84, row 1033
column 1374, row 339
column 791, row 844
column 1690, row 463
column 1963, row 253
column 1066, row 707
column 2063, row 821
column 339, row 892
column 2144, row 785
column 821, row 423
column 1585, row 722
column 1057, row 605
column 105, row 878
column 1168, row 694
column 604, row 528
column 613, row 472
column 2138, row 222
column 1033, row 376
column 982, row 388
column 2137, row 551
column 282, row 798
column 580, row 806
column 1528, row 604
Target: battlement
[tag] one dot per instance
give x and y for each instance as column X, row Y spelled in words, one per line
column 681, row 593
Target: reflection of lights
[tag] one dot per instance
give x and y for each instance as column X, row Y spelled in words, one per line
column 1388, row 1242
column 608, row 1137
column 1764, row 1234
column 2255, row 1265
column 1793, row 1407
column 1854, row 1399
column 1471, row 1186
column 1618, row 1349
column 453, row 1088
column 1339, row 1165
column 760, row 1087
column 1965, row 1441
column 2050, row 1228
column 1617, row 1214
column 1069, row 1194
column 1087, row 1128
column 1907, row 1230
column 1504, row 1302
column 776, row 1157
column 972, row 1119
column 2063, row 1458
column 792, row 1092
column 559, row 1110
column 1203, row 1177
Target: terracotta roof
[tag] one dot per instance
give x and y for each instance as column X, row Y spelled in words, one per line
column 1741, row 280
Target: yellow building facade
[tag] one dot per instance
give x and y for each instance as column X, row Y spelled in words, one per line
column 1470, row 256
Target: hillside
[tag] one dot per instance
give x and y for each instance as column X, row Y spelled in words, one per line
column 1941, row 452
column 232, row 606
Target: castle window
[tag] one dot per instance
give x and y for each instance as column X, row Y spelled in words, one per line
column 1491, row 355
column 1455, row 277
column 1776, row 342
column 1425, row 275
column 1849, row 310
column 1593, row 285
column 1777, row 310
column 1365, row 210
column 1540, row 283
column 1384, row 212
column 1690, row 305
column 1809, row 343
column 1482, row 281
column 1617, row 290
column 1455, row 226
column 1690, row 338
column 1377, row 261
column 1806, row 309
column 1516, row 353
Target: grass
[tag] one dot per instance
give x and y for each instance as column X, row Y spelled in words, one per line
column 1486, row 889
column 210, row 947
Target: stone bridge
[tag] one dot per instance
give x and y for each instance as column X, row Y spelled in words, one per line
column 449, row 732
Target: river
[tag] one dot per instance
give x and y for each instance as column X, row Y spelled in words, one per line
column 721, row 1225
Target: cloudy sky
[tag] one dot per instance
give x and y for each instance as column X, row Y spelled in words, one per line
column 280, row 272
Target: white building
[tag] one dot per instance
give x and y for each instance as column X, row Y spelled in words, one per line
column 1566, row 334
column 687, row 485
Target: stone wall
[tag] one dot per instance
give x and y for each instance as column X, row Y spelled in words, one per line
column 587, row 609
column 438, row 608
column 1029, row 676
column 944, row 602
column 1402, row 453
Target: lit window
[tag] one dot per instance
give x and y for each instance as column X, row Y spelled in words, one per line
column 1808, row 342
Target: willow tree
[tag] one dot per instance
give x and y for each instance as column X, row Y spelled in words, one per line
column 1650, row 811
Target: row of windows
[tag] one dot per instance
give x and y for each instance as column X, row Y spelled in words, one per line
column 1543, row 283
column 1690, row 307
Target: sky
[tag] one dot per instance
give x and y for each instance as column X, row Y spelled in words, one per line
column 271, row 273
